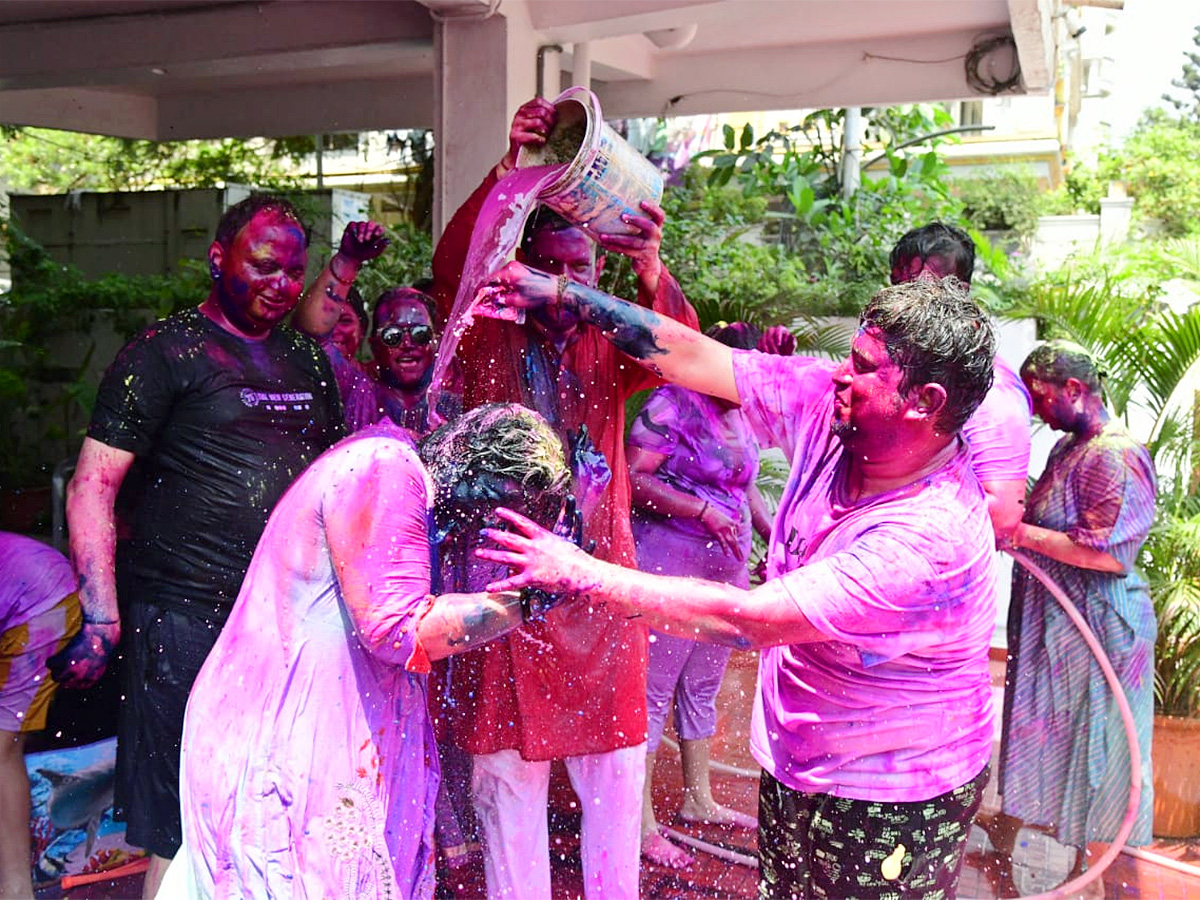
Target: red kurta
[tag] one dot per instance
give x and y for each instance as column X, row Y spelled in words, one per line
column 575, row 683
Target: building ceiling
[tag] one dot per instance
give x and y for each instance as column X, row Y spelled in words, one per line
column 173, row 69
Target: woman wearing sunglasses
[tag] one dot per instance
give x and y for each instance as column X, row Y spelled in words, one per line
column 403, row 341
column 404, row 345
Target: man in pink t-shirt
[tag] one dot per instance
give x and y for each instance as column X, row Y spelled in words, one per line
column 873, row 721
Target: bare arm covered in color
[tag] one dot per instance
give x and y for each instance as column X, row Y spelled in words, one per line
column 91, row 519
column 1058, row 546
column 667, row 348
column 687, row 607
column 460, row 622
column 319, row 308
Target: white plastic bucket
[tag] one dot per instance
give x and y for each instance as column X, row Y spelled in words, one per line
column 605, row 178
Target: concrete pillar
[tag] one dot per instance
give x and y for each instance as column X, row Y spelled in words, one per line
column 549, row 79
column 852, row 138
column 581, row 64
column 484, row 68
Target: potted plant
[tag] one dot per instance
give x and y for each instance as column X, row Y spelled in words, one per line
column 1171, row 561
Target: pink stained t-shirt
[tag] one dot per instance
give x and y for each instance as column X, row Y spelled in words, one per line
column 998, row 431
column 895, row 706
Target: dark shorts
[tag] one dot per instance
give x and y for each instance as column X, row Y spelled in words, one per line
column 164, row 651
column 820, row 846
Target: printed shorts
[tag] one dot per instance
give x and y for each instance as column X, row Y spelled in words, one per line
column 25, row 683
column 821, row 846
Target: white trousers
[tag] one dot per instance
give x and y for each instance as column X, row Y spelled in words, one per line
column 510, row 796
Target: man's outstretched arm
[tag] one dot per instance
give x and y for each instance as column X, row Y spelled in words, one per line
column 669, row 349
column 319, row 308
column 708, row 611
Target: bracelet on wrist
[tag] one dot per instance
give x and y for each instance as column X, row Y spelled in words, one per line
column 563, row 280
column 334, row 272
column 703, row 510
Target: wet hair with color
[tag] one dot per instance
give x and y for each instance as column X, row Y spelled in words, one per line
column 937, row 333
column 1055, row 361
column 499, row 441
column 239, row 215
column 937, row 240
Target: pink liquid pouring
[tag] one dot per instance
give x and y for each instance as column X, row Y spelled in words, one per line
column 493, row 242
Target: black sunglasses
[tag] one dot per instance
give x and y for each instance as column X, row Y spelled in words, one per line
column 392, row 335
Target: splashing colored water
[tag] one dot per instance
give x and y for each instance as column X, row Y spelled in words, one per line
column 495, row 238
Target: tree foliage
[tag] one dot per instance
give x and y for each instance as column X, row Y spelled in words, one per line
column 45, row 398
column 843, row 243
column 1001, row 200
column 408, row 259
column 1160, row 165
column 43, row 160
column 1188, row 84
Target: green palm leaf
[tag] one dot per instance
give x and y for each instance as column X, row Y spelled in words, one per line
column 1164, row 350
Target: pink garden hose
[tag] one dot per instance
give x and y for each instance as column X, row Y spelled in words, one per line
column 1135, row 755
column 1135, row 762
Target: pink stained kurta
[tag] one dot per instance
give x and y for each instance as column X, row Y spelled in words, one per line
column 711, row 454
column 574, row 683
column 895, row 705
column 309, row 767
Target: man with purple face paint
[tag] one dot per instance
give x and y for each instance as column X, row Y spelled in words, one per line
column 403, row 341
column 222, row 406
column 999, row 431
column 403, row 344
column 873, row 720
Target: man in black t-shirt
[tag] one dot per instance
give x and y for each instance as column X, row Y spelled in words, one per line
column 223, row 407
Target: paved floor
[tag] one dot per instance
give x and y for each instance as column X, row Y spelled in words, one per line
column 1039, row 862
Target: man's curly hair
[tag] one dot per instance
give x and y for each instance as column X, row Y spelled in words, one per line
column 936, row 332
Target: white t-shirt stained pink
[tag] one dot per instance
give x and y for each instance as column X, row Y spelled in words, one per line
column 895, row 706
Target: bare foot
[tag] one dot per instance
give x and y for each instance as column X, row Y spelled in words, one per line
column 659, row 850
column 717, row 815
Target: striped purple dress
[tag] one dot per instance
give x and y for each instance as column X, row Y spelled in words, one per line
column 1064, row 762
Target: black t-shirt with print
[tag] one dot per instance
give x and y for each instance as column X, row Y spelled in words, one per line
column 221, row 426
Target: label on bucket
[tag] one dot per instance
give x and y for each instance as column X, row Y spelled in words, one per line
column 613, row 184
